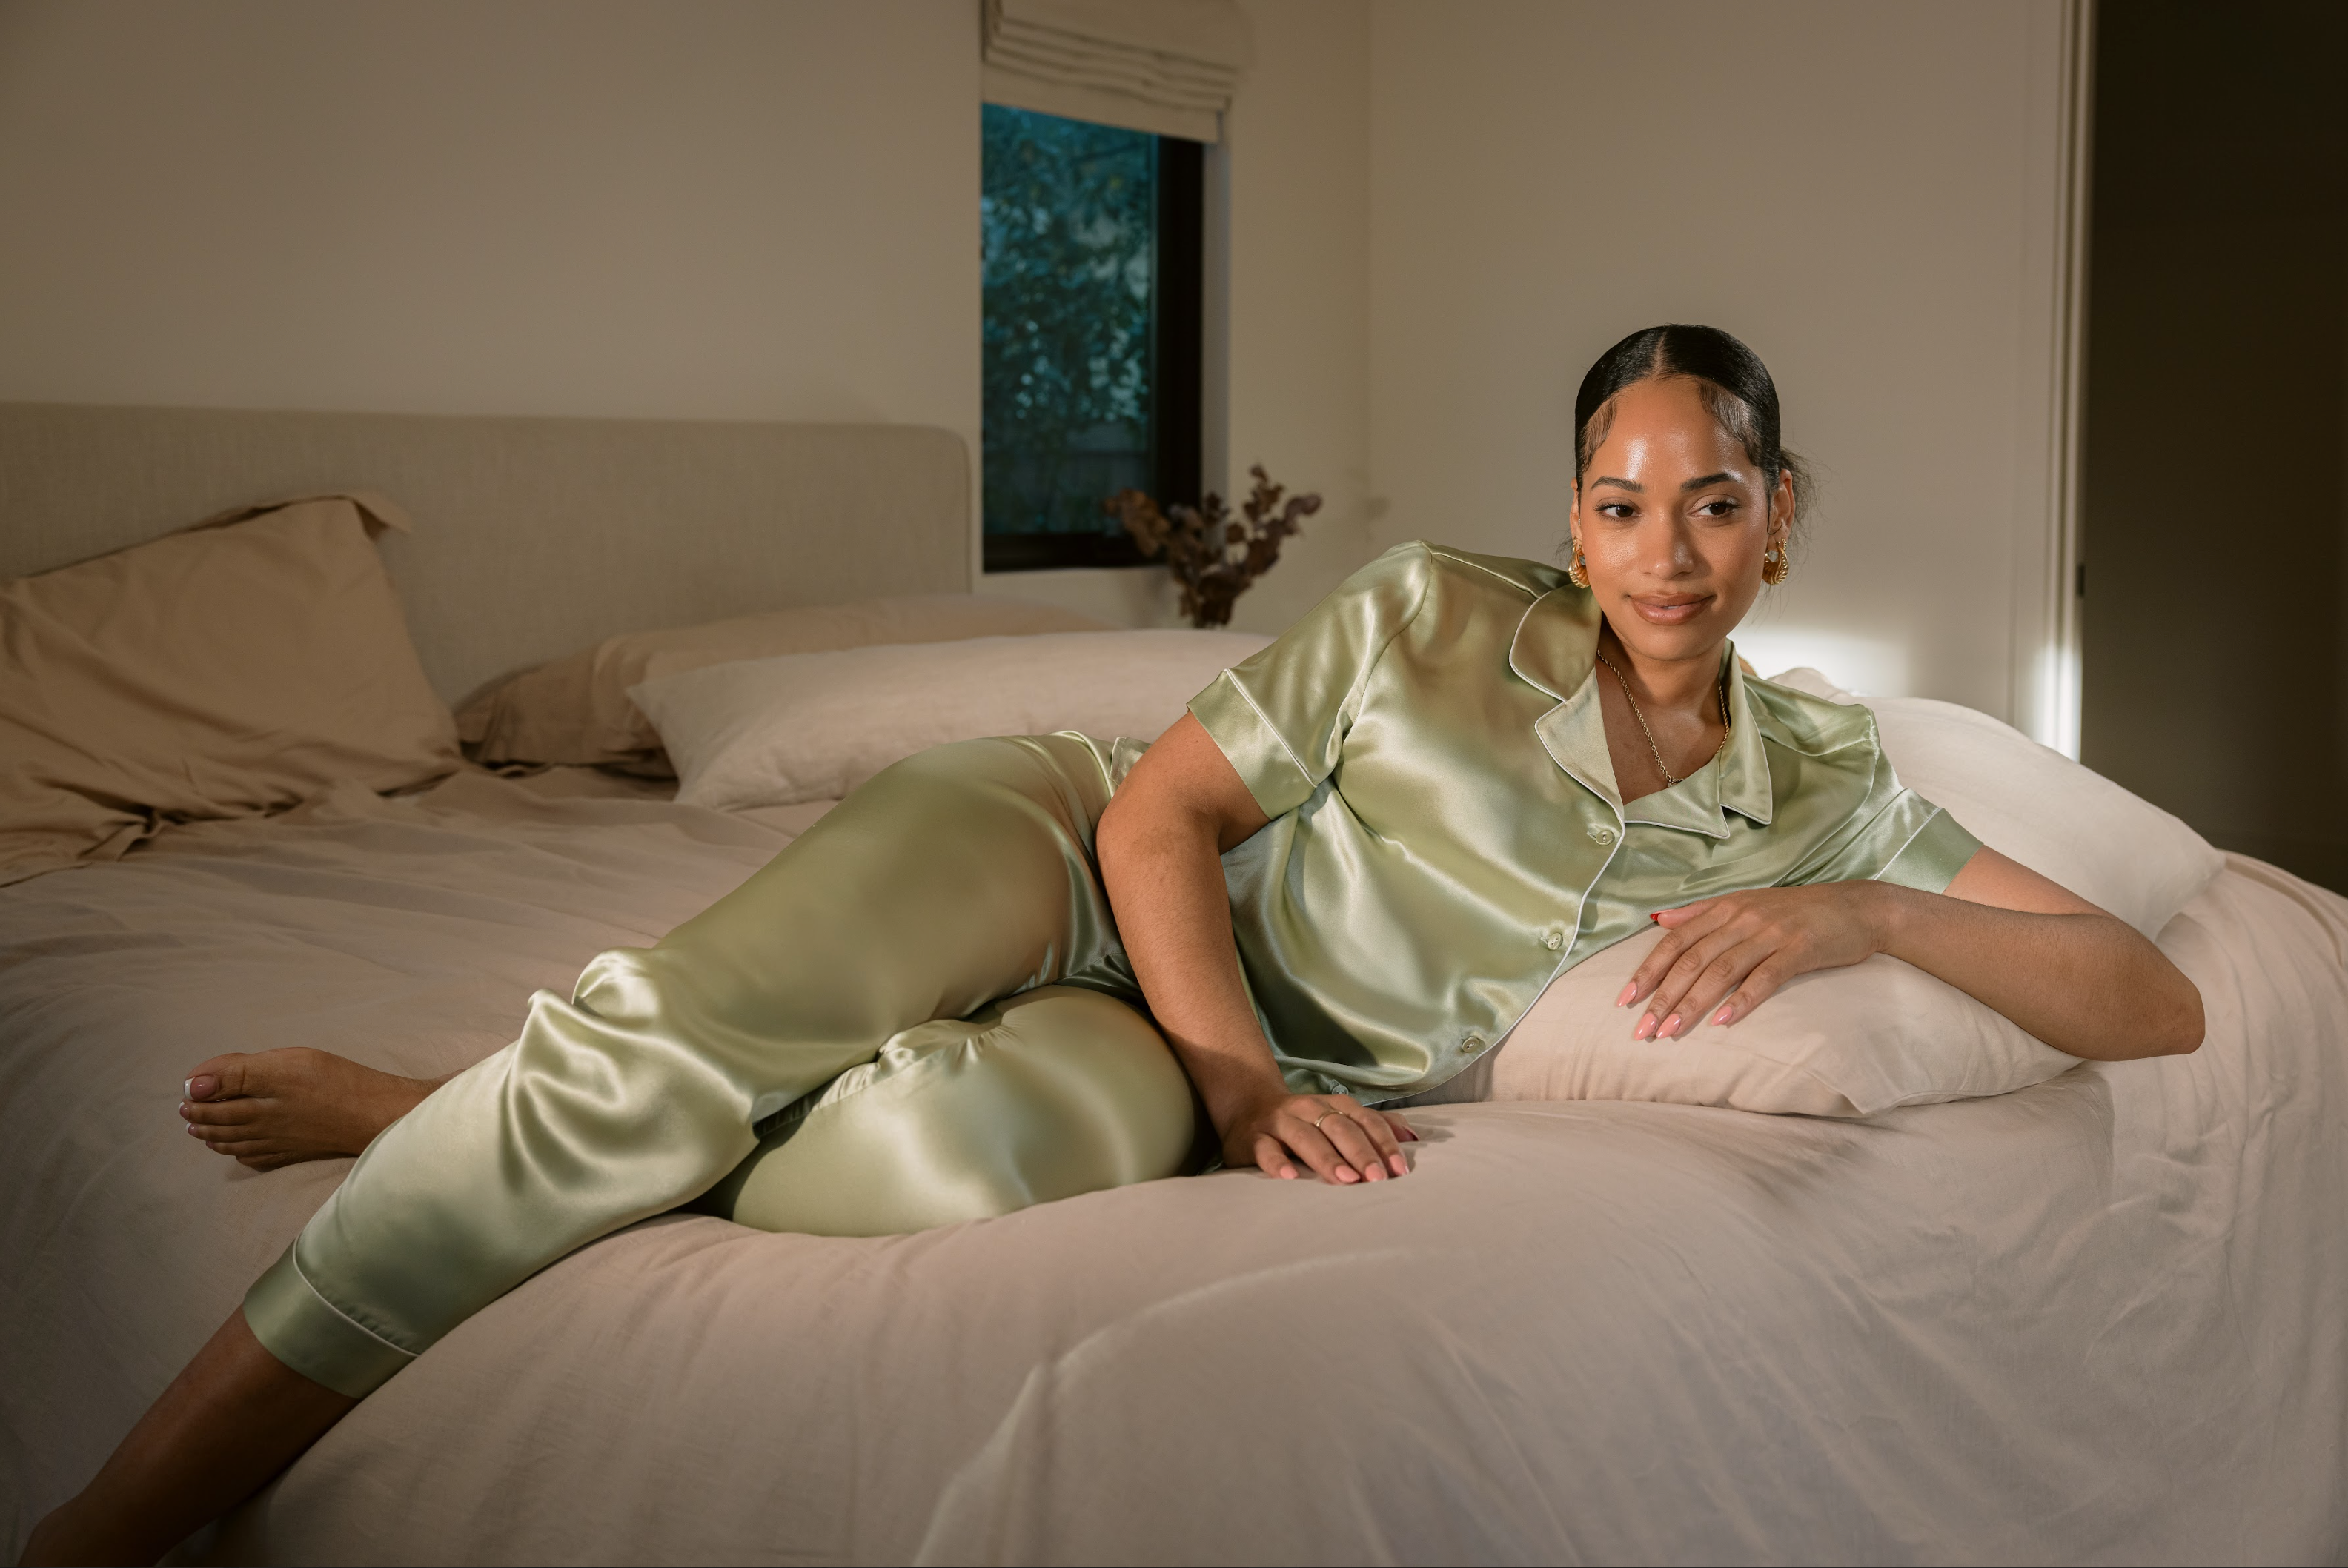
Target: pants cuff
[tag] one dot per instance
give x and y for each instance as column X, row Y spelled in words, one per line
column 303, row 1329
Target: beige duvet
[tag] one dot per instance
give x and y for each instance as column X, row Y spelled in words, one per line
column 2101, row 1319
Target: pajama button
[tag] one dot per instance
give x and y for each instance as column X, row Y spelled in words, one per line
column 1554, row 940
column 1601, row 835
column 1472, row 1044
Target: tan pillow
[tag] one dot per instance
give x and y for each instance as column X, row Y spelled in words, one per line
column 1833, row 1043
column 228, row 669
column 576, row 709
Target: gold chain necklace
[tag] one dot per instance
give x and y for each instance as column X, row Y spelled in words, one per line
column 1720, row 691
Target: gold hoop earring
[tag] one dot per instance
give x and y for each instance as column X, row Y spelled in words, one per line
column 1577, row 570
column 1776, row 566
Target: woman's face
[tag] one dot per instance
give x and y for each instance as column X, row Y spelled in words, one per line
column 1673, row 519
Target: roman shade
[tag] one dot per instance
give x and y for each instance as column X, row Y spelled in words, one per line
column 1169, row 67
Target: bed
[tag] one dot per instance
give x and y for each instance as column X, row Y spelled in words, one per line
column 2097, row 1319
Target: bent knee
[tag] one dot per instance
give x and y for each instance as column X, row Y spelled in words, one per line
column 1048, row 1095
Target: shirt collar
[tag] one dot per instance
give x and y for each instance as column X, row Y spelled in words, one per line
column 1556, row 649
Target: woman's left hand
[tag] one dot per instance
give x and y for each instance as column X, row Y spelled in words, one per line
column 1724, row 957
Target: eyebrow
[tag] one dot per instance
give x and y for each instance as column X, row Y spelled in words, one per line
column 1638, row 490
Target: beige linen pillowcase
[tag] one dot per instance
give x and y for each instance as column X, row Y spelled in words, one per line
column 228, row 669
column 813, row 726
column 1833, row 1042
column 577, row 709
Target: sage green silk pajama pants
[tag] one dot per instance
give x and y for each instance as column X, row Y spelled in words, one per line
column 920, row 1003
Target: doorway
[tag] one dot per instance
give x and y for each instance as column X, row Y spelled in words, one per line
column 2214, row 436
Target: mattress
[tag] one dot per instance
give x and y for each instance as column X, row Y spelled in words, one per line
column 2099, row 1319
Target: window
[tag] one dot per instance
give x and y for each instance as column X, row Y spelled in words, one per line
column 1091, row 236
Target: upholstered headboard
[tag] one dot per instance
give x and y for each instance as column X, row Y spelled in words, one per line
column 534, row 536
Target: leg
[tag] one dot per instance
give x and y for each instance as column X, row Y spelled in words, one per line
column 950, row 880
column 1044, row 1096
column 168, row 1476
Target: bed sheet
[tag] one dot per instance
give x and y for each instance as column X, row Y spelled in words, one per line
column 2095, row 1320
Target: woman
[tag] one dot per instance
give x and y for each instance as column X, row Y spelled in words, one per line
column 1335, row 884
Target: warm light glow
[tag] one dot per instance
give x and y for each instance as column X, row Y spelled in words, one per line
column 1864, row 666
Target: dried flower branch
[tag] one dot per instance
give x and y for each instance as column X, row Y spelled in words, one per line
column 1215, row 557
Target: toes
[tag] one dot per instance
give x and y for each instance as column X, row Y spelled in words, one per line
column 221, row 1078
column 222, row 1113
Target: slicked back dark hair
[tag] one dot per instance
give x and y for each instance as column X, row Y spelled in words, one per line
column 1734, row 385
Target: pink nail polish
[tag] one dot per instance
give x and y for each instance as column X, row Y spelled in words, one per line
column 1720, row 1019
column 1671, row 1025
column 1630, row 994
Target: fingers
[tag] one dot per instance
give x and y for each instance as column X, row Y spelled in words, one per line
column 1720, row 976
column 1683, row 929
column 1758, row 986
column 1272, row 1158
column 1366, row 1127
column 1668, row 1011
column 1402, row 1128
column 1338, row 1139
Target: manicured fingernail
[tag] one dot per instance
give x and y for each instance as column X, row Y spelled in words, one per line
column 1657, row 919
column 1722, row 1017
column 1630, row 994
column 1670, row 1026
column 1348, row 1174
column 1374, row 1172
column 1646, row 1029
column 1396, row 1162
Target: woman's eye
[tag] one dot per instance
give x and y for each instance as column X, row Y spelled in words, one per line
column 1720, row 508
column 1618, row 510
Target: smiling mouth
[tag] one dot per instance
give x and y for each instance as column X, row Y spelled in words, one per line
column 1671, row 609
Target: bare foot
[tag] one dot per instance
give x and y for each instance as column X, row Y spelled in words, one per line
column 278, row 1108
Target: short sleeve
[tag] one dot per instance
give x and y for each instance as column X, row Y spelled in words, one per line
column 1280, row 717
column 1895, row 835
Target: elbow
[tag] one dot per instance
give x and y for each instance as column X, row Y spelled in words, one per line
column 2187, row 1024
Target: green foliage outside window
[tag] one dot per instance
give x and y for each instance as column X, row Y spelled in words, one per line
column 1068, row 217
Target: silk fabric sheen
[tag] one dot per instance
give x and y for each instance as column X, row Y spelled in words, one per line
column 953, row 880
column 1447, row 837
column 1447, row 833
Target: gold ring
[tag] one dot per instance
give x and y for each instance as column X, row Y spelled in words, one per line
column 1323, row 1117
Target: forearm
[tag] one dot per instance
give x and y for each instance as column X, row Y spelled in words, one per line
column 1164, row 876
column 2086, row 984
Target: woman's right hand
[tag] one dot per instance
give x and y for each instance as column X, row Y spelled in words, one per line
column 1339, row 1138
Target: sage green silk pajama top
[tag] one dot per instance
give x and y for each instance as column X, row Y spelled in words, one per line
column 1447, row 834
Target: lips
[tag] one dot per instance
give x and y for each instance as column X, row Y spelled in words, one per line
column 1669, row 609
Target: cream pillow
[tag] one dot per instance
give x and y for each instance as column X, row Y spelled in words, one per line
column 2035, row 805
column 576, row 709
column 228, row 669
column 813, row 726
column 1833, row 1043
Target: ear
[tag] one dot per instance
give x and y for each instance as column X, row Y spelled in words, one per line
column 1781, row 510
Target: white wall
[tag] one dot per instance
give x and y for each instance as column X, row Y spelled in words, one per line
column 1288, row 314
column 1863, row 192
column 726, row 209
column 1433, row 215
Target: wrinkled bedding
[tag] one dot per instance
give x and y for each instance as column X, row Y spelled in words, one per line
column 2097, row 1320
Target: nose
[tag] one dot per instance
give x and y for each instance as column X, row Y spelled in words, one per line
column 1671, row 551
